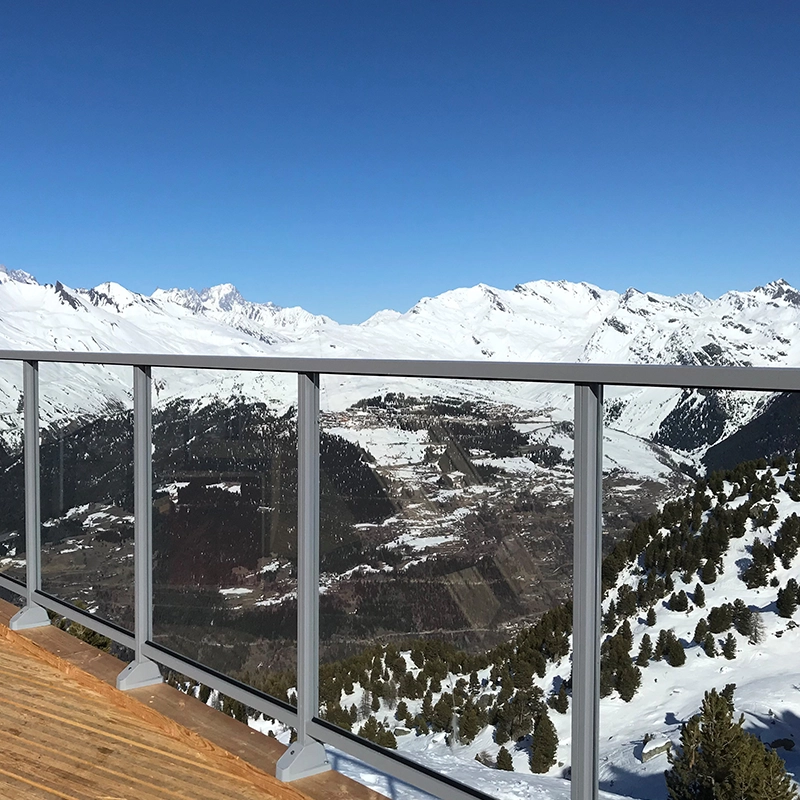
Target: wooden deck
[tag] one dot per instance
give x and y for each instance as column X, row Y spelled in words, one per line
column 66, row 732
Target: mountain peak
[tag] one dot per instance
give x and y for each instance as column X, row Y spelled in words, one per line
column 629, row 294
column 780, row 289
column 223, row 296
column 16, row 276
column 113, row 294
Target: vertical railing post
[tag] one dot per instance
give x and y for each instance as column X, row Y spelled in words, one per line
column 32, row 615
column 142, row 671
column 587, row 593
column 306, row 756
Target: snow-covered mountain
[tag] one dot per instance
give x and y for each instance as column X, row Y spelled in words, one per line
column 537, row 321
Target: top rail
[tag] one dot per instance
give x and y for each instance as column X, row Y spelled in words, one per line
column 765, row 379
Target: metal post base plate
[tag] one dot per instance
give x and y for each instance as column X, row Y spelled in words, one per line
column 302, row 761
column 138, row 674
column 29, row 617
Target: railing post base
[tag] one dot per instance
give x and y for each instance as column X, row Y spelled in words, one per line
column 302, row 761
column 29, row 617
column 138, row 674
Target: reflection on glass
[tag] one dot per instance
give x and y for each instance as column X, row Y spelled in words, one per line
column 225, row 523
column 446, row 538
column 12, row 479
column 86, row 458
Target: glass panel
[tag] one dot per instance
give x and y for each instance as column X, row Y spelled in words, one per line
column 12, row 484
column 225, row 522
column 86, row 456
column 446, row 541
column 693, row 575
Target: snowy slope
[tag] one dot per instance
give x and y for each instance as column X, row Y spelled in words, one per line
column 766, row 673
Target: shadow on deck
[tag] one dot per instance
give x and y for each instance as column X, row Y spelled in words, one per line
column 66, row 732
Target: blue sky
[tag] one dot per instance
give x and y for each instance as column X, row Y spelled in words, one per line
column 353, row 155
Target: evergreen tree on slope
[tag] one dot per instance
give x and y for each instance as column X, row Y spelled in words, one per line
column 718, row 760
column 544, row 744
column 504, row 760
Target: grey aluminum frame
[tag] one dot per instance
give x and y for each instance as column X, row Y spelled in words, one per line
column 308, row 757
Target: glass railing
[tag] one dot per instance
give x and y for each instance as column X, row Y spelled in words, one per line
column 12, row 496
column 445, row 586
column 398, row 559
column 225, row 523
column 86, row 488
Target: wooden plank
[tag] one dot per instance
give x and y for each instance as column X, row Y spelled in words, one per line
column 244, row 751
column 109, row 721
column 7, row 610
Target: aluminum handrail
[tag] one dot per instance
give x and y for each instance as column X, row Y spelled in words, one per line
column 767, row 379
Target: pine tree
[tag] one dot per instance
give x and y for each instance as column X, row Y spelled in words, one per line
column 699, row 596
column 661, row 645
column 762, row 564
column 468, row 723
column 561, row 699
column 610, row 618
column 629, row 679
column 709, row 572
column 769, row 515
column 390, row 693
column 678, row 602
column 757, row 631
column 787, row 599
column 645, row 651
column 520, row 712
column 336, row 715
column 427, row 705
column 365, row 706
column 718, row 760
column 710, row 645
column 504, row 760
column 675, row 654
column 442, row 718
column 369, row 730
column 742, row 617
column 700, row 630
column 626, row 635
column 672, row 602
column 386, row 738
column 755, row 575
column 720, row 618
column 729, row 647
column 544, row 744
column 606, row 679
column 474, row 683
column 651, row 616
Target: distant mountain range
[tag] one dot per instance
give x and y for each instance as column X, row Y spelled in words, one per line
column 536, row 321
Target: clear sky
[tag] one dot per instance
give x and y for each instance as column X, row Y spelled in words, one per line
column 353, row 155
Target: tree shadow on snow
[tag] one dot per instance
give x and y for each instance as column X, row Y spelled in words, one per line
column 630, row 784
column 772, row 729
column 384, row 784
